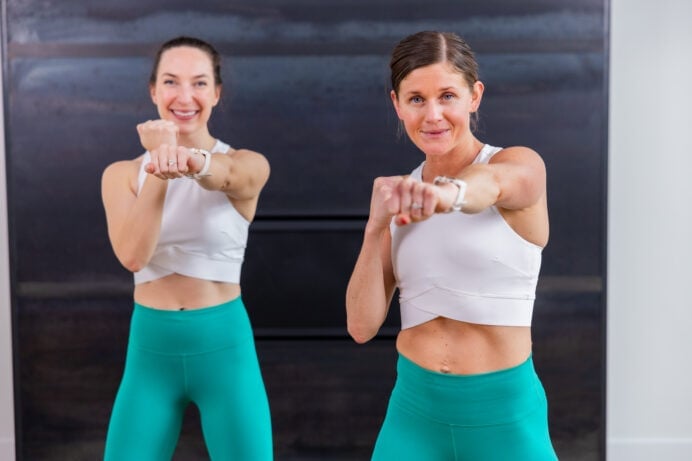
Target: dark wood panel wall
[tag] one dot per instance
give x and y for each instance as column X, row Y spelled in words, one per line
column 305, row 84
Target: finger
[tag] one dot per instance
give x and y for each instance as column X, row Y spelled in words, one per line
column 167, row 159
column 393, row 202
column 406, row 187
column 183, row 157
column 402, row 219
column 417, row 200
column 430, row 200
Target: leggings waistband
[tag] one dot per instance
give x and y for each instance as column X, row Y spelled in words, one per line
column 190, row 331
column 468, row 400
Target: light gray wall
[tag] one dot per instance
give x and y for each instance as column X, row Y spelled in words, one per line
column 649, row 372
column 7, row 451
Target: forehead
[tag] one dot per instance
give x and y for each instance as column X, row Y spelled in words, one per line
column 184, row 60
column 438, row 75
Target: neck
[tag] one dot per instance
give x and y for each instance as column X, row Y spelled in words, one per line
column 453, row 162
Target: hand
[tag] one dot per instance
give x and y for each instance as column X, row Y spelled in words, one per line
column 171, row 162
column 154, row 133
column 406, row 199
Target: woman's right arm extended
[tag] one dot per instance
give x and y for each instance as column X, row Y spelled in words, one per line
column 134, row 220
column 372, row 283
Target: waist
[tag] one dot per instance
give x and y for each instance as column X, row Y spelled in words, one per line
column 454, row 347
column 498, row 397
column 180, row 292
column 191, row 331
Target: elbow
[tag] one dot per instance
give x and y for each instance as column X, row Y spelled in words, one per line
column 360, row 334
column 132, row 266
column 132, row 263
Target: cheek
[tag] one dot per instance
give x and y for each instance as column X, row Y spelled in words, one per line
column 163, row 97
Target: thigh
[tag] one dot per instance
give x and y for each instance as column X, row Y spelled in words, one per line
column 148, row 410
column 228, row 389
column 407, row 436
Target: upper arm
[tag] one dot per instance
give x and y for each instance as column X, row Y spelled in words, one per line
column 248, row 172
column 387, row 266
column 118, row 192
column 521, row 177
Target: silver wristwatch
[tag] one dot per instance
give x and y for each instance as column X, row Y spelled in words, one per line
column 459, row 201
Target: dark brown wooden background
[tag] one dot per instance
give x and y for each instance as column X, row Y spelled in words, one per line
column 306, row 84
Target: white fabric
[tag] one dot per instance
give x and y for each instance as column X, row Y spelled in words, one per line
column 469, row 267
column 202, row 234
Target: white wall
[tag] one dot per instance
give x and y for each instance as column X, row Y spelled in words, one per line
column 649, row 372
column 6, row 395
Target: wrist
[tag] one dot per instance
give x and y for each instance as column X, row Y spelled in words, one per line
column 458, row 201
column 204, row 170
column 375, row 229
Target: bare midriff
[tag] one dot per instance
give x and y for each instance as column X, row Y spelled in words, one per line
column 178, row 292
column 450, row 346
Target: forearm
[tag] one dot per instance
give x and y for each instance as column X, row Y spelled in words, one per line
column 137, row 236
column 240, row 175
column 369, row 290
column 483, row 188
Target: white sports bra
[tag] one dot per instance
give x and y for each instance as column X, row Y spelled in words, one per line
column 469, row 267
column 202, row 234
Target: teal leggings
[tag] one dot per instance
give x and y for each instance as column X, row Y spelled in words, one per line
column 498, row 416
column 201, row 356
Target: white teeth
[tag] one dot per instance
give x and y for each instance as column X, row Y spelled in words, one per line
column 185, row 114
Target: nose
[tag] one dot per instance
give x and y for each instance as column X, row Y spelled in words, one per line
column 185, row 93
column 433, row 112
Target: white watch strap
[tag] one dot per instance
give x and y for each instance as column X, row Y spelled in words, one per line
column 461, row 194
column 204, row 171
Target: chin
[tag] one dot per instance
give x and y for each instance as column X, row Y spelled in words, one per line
column 434, row 151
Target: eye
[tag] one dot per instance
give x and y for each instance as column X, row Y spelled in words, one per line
column 416, row 100
column 168, row 81
column 201, row 84
column 448, row 96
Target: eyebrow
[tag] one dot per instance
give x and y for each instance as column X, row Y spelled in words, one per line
column 441, row 90
column 168, row 74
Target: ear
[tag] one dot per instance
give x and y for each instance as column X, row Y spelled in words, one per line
column 152, row 93
column 476, row 95
column 217, row 90
column 395, row 102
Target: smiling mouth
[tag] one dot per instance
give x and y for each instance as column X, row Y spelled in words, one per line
column 184, row 113
column 434, row 132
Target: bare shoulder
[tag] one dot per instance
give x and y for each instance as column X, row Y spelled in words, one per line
column 517, row 154
column 255, row 161
column 121, row 172
column 245, row 153
column 520, row 156
column 122, row 167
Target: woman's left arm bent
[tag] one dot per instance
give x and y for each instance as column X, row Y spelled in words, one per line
column 514, row 179
column 241, row 174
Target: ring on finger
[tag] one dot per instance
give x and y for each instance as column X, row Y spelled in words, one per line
column 416, row 206
column 172, row 162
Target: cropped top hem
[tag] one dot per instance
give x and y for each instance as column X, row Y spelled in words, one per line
column 202, row 234
column 175, row 261
column 482, row 309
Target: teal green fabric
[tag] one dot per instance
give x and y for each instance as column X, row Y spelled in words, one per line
column 498, row 416
column 201, row 356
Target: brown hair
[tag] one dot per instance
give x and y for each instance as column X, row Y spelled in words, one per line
column 431, row 47
column 191, row 42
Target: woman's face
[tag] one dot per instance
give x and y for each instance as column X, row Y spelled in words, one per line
column 185, row 92
column 435, row 105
